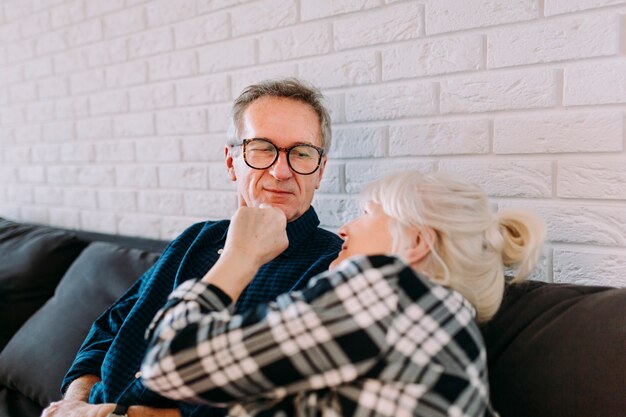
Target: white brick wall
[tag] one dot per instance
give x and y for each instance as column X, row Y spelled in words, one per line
column 113, row 113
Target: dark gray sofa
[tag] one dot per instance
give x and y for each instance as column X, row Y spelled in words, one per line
column 553, row 350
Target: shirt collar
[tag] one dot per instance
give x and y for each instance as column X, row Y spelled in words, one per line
column 297, row 230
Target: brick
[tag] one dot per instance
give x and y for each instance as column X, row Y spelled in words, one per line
column 181, row 121
column 391, row 102
column 172, row 227
column 164, row 12
column 38, row 68
column 394, row 23
column 121, row 201
column 87, row 82
column 152, row 97
column 41, row 111
column 34, row 215
column 20, row 194
column 499, row 91
column 13, row 74
column 39, row 5
column 125, row 22
column 130, row 125
column 67, row 14
column 202, row 90
column 219, row 179
column 553, row 7
column 118, row 151
column 183, row 177
column 346, row 69
column 263, row 15
column 336, row 211
column 83, row 33
column 597, row 83
column 158, row 150
column 80, row 198
column 310, row 10
column 332, row 180
column 150, row 43
column 289, row 43
column 161, row 202
column 210, row 205
column 18, row 155
column 206, row 6
column 139, row 176
column 71, row 61
column 242, row 79
column 21, row 51
column 62, row 174
column 334, row 103
column 58, row 132
column 203, row 148
column 106, row 53
column 72, row 108
column 219, row 116
column 599, row 178
column 99, row 7
column 22, row 93
column 46, row 154
column 99, row 128
column 27, row 134
column 432, row 57
column 99, row 222
column 220, row 57
column 203, row 30
column 358, row 142
column 77, row 153
column 125, row 75
column 31, row 174
column 450, row 15
column 447, row 138
column 96, row 176
column 505, row 178
column 558, row 133
column 175, row 65
column 588, row 268
column 48, row 195
column 50, row 43
column 10, row 32
column 140, row 225
column 65, row 218
column 12, row 116
column 110, row 102
column 554, row 40
column 35, row 25
column 359, row 174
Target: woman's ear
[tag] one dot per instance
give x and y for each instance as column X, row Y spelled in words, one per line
column 425, row 239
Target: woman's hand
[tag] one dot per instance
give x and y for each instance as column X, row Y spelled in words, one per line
column 256, row 235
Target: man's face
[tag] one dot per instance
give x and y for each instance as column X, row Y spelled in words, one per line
column 285, row 123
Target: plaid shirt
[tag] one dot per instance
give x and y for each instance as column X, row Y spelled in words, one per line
column 115, row 344
column 371, row 338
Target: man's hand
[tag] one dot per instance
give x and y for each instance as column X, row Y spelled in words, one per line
column 257, row 235
column 75, row 408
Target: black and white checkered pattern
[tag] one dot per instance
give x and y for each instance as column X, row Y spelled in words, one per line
column 370, row 338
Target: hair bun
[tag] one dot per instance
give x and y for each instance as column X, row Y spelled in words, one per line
column 523, row 235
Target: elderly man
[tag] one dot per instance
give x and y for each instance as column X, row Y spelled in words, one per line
column 276, row 154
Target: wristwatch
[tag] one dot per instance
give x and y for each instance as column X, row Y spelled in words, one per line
column 120, row 411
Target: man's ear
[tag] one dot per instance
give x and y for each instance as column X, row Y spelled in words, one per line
column 321, row 173
column 230, row 160
column 425, row 239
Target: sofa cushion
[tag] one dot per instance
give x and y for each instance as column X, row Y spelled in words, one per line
column 32, row 261
column 556, row 348
column 37, row 358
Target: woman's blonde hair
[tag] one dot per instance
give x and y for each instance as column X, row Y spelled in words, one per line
column 473, row 244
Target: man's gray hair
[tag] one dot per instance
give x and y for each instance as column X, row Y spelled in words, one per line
column 291, row 88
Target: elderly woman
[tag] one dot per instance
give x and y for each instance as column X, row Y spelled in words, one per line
column 390, row 330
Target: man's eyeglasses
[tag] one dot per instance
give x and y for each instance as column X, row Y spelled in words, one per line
column 260, row 153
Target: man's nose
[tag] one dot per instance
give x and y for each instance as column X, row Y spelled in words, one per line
column 281, row 170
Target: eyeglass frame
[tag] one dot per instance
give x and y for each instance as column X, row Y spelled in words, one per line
column 319, row 150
